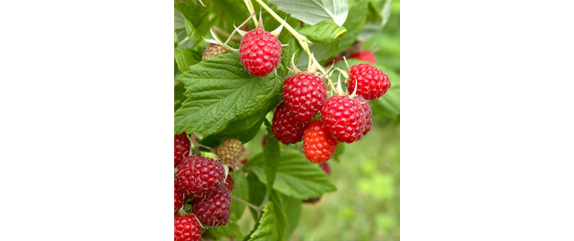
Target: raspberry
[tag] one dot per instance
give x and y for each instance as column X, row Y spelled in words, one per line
column 304, row 95
column 286, row 128
column 318, row 145
column 197, row 176
column 178, row 198
column 365, row 55
column 213, row 209
column 259, row 52
column 343, row 118
column 228, row 151
column 186, row 228
column 213, row 50
column 181, row 144
column 229, row 183
column 372, row 83
column 327, row 169
column 367, row 115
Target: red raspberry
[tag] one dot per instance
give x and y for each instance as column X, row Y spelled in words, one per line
column 372, row 83
column 304, row 95
column 178, row 198
column 228, row 151
column 186, row 228
column 197, row 176
column 318, row 145
column 343, row 118
column 181, row 144
column 213, row 50
column 213, row 209
column 327, row 169
column 259, row 52
column 286, row 128
column 367, row 115
column 365, row 55
column 229, row 183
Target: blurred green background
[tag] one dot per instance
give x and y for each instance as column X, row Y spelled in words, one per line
column 486, row 137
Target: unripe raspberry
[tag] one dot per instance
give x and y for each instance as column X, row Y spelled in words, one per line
column 318, row 144
column 213, row 50
column 343, row 117
column 259, row 52
column 197, row 176
column 186, row 228
column 286, row 128
column 213, row 209
column 304, row 95
column 229, row 150
column 371, row 83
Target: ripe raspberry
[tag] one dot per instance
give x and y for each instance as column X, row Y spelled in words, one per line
column 372, row 83
column 186, row 228
column 286, row 128
column 327, row 169
column 181, row 144
column 304, row 95
column 343, row 118
column 197, row 176
column 228, row 151
column 259, row 52
column 367, row 115
column 318, row 145
column 229, row 183
column 365, row 55
column 213, row 50
column 213, row 209
column 178, row 198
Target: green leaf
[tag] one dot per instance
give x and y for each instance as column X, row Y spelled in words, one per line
column 323, row 32
column 219, row 92
column 376, row 20
column 320, row 51
column 288, row 51
column 180, row 31
column 178, row 96
column 184, row 58
column 314, row 11
column 240, row 190
column 271, row 153
column 354, row 25
column 296, row 176
column 191, row 31
column 292, row 207
column 230, row 230
column 244, row 130
column 193, row 11
column 338, row 151
column 272, row 223
column 257, row 191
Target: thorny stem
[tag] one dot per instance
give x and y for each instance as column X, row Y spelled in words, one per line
column 303, row 41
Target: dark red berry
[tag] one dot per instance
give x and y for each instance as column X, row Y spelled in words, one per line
column 197, row 176
column 178, row 198
column 181, row 150
column 371, row 83
column 318, row 144
column 186, row 228
column 259, row 52
column 367, row 115
column 229, row 183
column 343, row 118
column 286, row 128
column 304, row 95
column 365, row 55
column 213, row 209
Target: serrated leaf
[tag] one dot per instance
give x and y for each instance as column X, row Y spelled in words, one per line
column 323, row 32
column 184, row 59
column 219, row 92
column 314, row 11
column 272, row 223
column 296, row 176
column 271, row 152
column 178, row 96
column 230, row 230
column 244, row 130
column 354, row 25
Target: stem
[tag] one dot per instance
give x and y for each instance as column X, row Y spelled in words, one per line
column 258, row 209
column 249, row 5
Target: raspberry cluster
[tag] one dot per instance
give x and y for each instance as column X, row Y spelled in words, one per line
column 346, row 117
column 202, row 181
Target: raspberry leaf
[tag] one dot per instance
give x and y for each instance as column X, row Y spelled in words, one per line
column 184, row 58
column 230, row 230
column 292, row 207
column 272, row 223
column 314, row 11
column 240, row 190
column 296, row 176
column 271, row 152
column 354, row 25
column 323, row 32
column 220, row 92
